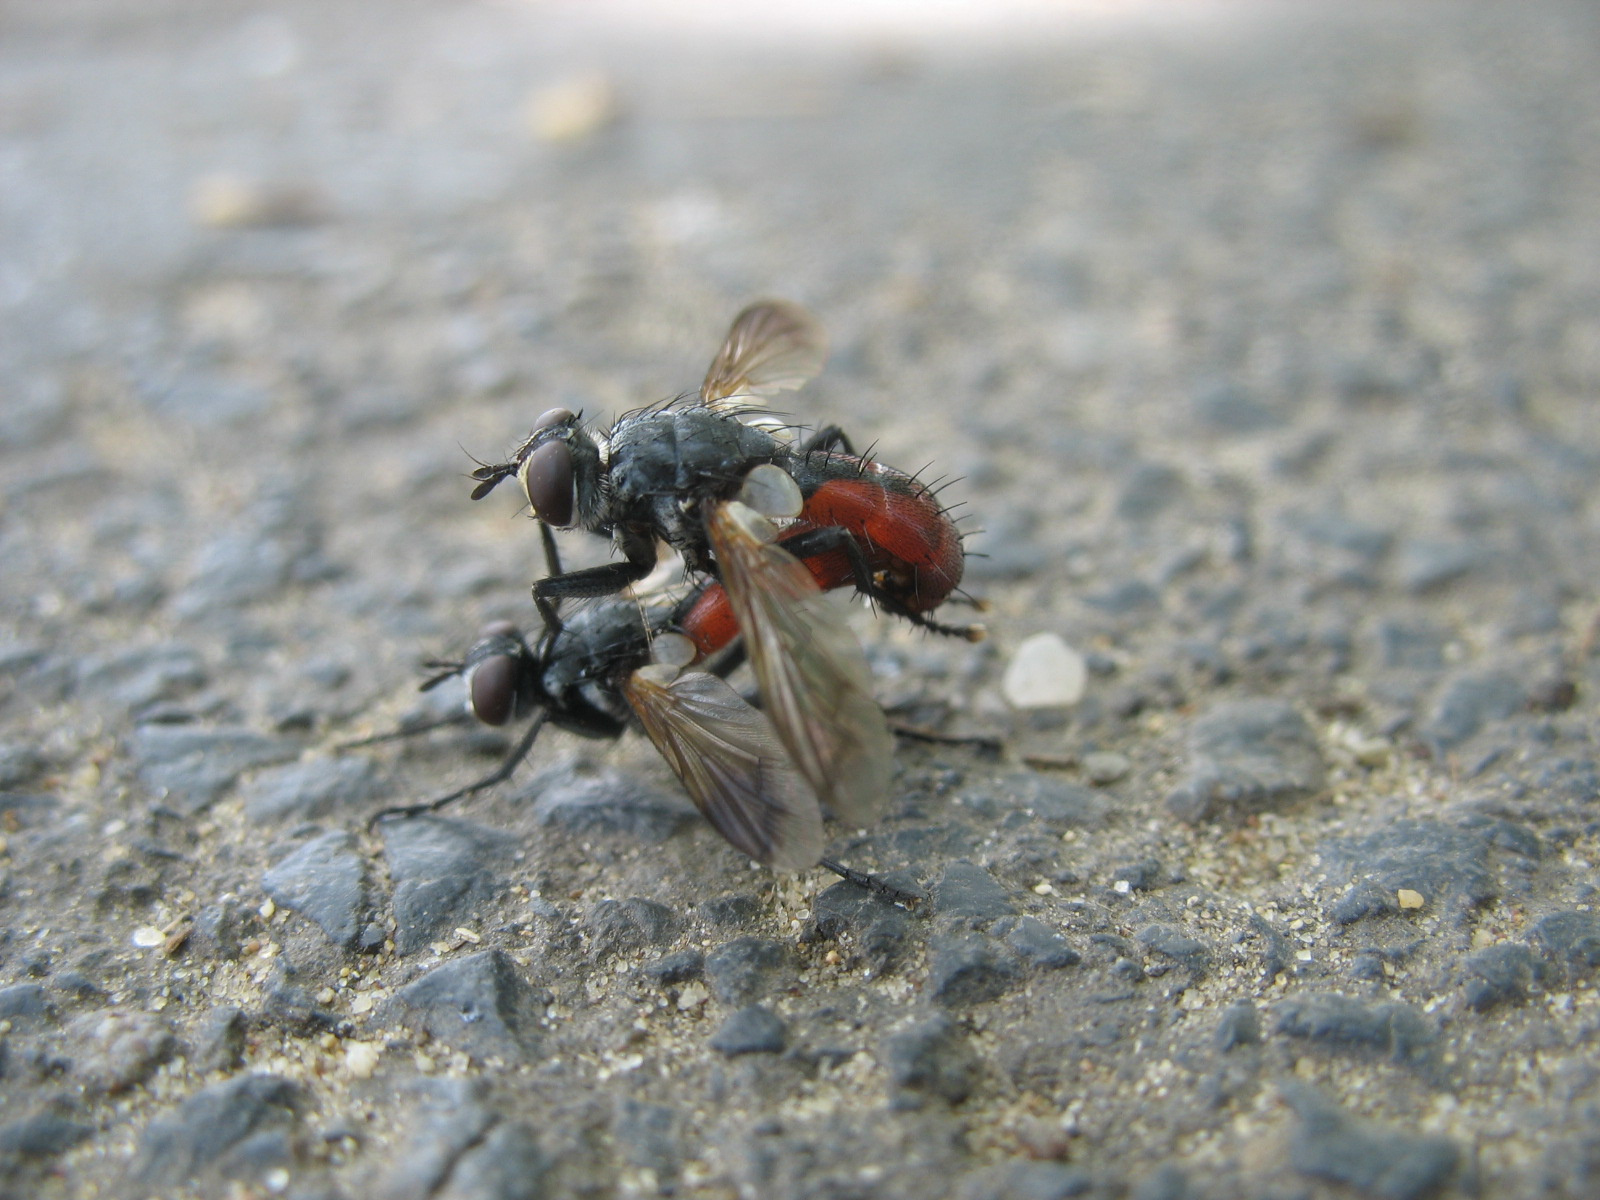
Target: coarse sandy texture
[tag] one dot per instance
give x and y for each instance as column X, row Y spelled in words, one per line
column 1267, row 342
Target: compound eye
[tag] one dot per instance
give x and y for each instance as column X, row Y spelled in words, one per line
column 492, row 690
column 553, row 416
column 547, row 479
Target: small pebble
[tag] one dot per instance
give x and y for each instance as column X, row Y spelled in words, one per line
column 234, row 202
column 1044, row 672
column 1409, row 898
column 573, row 108
column 1103, row 767
column 751, row 1030
column 361, row 1058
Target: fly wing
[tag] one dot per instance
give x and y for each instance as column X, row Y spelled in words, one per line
column 815, row 685
column 731, row 763
column 772, row 346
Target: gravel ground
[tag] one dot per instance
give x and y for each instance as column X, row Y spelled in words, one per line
column 1268, row 350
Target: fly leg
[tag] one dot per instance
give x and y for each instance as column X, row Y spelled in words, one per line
column 829, row 437
column 932, row 737
column 500, row 774
column 875, row 884
column 639, row 550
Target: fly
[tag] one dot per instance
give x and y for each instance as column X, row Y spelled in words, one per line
column 760, row 777
column 657, row 475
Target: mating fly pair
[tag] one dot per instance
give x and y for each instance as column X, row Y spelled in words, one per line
column 694, row 475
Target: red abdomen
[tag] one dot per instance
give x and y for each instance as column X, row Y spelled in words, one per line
column 710, row 623
column 910, row 544
column 909, row 541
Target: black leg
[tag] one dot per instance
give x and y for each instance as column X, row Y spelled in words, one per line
column 932, row 737
column 829, row 437
column 873, row 884
column 500, row 774
column 604, row 580
column 394, row 735
column 552, row 556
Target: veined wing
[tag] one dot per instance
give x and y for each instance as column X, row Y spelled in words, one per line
column 772, row 346
column 815, row 685
column 731, row 763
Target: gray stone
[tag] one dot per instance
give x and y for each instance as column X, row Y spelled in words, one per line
column 617, row 926
column 647, row 1135
column 881, row 930
column 219, row 1040
column 1147, row 490
column 207, row 1131
column 1055, row 802
column 293, row 1006
column 219, row 930
column 1029, row 1181
column 1240, row 1025
column 480, row 1004
column 443, row 871
column 1503, row 974
column 135, row 679
column 1362, row 542
column 117, row 1050
column 1247, row 756
column 1224, row 407
column 1424, row 566
column 969, row 893
column 1036, row 943
column 25, row 1004
column 1124, row 598
column 966, row 969
column 18, row 764
column 307, row 790
column 1105, row 767
column 931, row 1060
column 507, row 1165
column 751, row 1030
column 746, row 969
column 1166, row 1182
column 1448, row 866
column 1414, row 645
column 676, row 968
column 262, row 552
column 731, row 911
column 1141, row 875
column 457, row 1148
column 1007, row 548
column 607, row 804
column 42, row 1135
column 1179, row 947
column 325, row 881
column 1384, row 1163
column 1344, row 1025
column 1571, row 941
column 449, row 1119
column 191, row 767
column 1469, row 702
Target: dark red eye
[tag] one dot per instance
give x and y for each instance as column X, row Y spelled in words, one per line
column 552, row 416
column 547, row 478
column 492, row 689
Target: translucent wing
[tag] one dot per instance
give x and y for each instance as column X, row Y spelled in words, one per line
column 772, row 346
column 731, row 763
column 815, row 686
